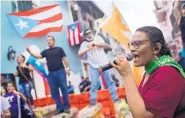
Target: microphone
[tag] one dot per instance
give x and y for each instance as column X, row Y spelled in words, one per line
column 108, row 66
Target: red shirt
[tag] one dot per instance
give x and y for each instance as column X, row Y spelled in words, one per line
column 164, row 93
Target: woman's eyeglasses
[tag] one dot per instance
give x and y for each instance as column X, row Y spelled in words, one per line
column 136, row 44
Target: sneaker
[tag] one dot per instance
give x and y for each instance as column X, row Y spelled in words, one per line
column 59, row 112
column 92, row 104
column 117, row 100
column 67, row 111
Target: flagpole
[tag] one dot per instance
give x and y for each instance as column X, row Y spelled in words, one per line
column 98, row 29
column 18, row 100
column 34, row 85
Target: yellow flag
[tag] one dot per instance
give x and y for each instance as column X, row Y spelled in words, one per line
column 117, row 28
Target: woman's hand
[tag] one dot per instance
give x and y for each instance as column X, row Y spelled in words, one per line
column 122, row 66
column 20, row 95
column 15, row 73
column 16, row 92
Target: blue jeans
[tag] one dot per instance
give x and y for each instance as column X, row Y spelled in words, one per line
column 95, row 73
column 56, row 80
column 25, row 88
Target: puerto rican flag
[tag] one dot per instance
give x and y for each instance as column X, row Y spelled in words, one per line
column 38, row 67
column 37, row 22
column 74, row 34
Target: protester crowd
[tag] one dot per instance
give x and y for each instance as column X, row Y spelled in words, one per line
column 179, row 15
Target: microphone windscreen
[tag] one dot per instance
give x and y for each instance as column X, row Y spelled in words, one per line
column 129, row 56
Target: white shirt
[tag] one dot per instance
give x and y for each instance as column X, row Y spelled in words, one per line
column 95, row 57
column 4, row 104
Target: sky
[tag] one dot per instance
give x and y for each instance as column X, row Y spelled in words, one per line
column 137, row 13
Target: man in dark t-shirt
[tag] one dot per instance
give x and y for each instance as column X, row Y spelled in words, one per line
column 70, row 88
column 56, row 59
column 84, row 86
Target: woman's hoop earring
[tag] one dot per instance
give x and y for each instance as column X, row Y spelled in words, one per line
column 156, row 57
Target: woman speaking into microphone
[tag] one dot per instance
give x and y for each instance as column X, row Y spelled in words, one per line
column 162, row 91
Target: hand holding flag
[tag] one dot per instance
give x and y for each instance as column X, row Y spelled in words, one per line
column 28, row 50
column 90, row 46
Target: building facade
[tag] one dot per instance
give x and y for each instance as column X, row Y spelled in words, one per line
column 84, row 11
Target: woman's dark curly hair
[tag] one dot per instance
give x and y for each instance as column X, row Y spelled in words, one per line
column 156, row 36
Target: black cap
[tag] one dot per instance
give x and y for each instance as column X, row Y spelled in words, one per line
column 87, row 31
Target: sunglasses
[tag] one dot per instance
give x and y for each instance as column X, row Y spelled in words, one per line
column 136, row 44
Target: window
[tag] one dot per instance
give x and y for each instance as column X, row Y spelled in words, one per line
column 24, row 5
column 18, row 6
column 74, row 14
